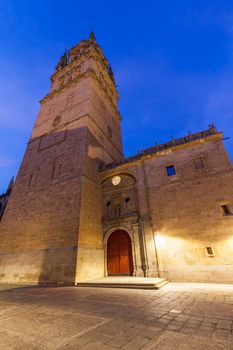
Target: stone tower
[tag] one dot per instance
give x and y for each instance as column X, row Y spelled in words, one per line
column 51, row 231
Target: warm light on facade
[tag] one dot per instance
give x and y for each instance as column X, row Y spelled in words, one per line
column 160, row 241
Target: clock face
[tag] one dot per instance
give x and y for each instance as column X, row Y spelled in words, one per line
column 116, row 180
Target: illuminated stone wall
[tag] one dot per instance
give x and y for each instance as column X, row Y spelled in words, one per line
column 181, row 216
column 187, row 214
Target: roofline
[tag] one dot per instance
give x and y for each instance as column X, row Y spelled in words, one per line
column 161, row 149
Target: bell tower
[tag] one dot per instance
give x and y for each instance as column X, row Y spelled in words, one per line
column 51, row 231
column 83, row 90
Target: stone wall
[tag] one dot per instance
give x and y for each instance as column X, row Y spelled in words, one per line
column 187, row 214
column 181, row 215
column 51, row 231
column 42, row 214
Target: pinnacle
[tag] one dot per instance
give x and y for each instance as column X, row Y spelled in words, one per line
column 92, row 38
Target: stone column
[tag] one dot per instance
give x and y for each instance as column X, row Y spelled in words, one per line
column 138, row 270
column 105, row 260
column 147, row 234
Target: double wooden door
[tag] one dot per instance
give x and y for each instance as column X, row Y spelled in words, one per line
column 119, row 254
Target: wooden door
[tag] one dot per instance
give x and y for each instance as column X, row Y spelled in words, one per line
column 119, row 254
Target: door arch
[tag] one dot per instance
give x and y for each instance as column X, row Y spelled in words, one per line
column 119, row 254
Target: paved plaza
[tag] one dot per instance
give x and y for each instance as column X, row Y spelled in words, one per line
column 178, row 316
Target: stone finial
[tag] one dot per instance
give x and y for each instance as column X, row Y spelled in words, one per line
column 92, row 38
column 111, row 74
column 10, row 186
column 212, row 126
column 62, row 62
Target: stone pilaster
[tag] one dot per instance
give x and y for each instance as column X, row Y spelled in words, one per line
column 147, row 235
column 138, row 266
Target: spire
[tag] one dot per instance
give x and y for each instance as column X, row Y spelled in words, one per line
column 111, row 74
column 92, row 38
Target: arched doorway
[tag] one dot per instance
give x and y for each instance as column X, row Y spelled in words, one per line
column 119, row 254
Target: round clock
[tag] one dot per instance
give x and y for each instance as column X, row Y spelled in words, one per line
column 116, row 180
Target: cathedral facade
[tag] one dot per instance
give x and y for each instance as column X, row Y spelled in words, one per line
column 79, row 210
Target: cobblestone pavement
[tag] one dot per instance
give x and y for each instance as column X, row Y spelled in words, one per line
column 179, row 316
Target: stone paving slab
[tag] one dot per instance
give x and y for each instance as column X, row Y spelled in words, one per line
column 48, row 327
column 172, row 340
column 179, row 316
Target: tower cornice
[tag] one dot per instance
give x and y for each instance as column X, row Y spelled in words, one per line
column 76, row 63
column 88, row 72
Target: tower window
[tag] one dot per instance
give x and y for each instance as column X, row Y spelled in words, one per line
column 226, row 209
column 32, row 180
column 127, row 200
column 199, row 163
column 56, row 121
column 171, row 170
column 109, row 131
column 69, row 100
column 209, row 251
column 56, row 172
column 108, row 204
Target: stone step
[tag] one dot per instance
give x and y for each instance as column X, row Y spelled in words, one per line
column 125, row 282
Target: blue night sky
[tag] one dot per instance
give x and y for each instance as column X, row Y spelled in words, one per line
column 173, row 63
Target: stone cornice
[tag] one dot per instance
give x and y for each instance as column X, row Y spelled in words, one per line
column 91, row 54
column 89, row 72
column 141, row 157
